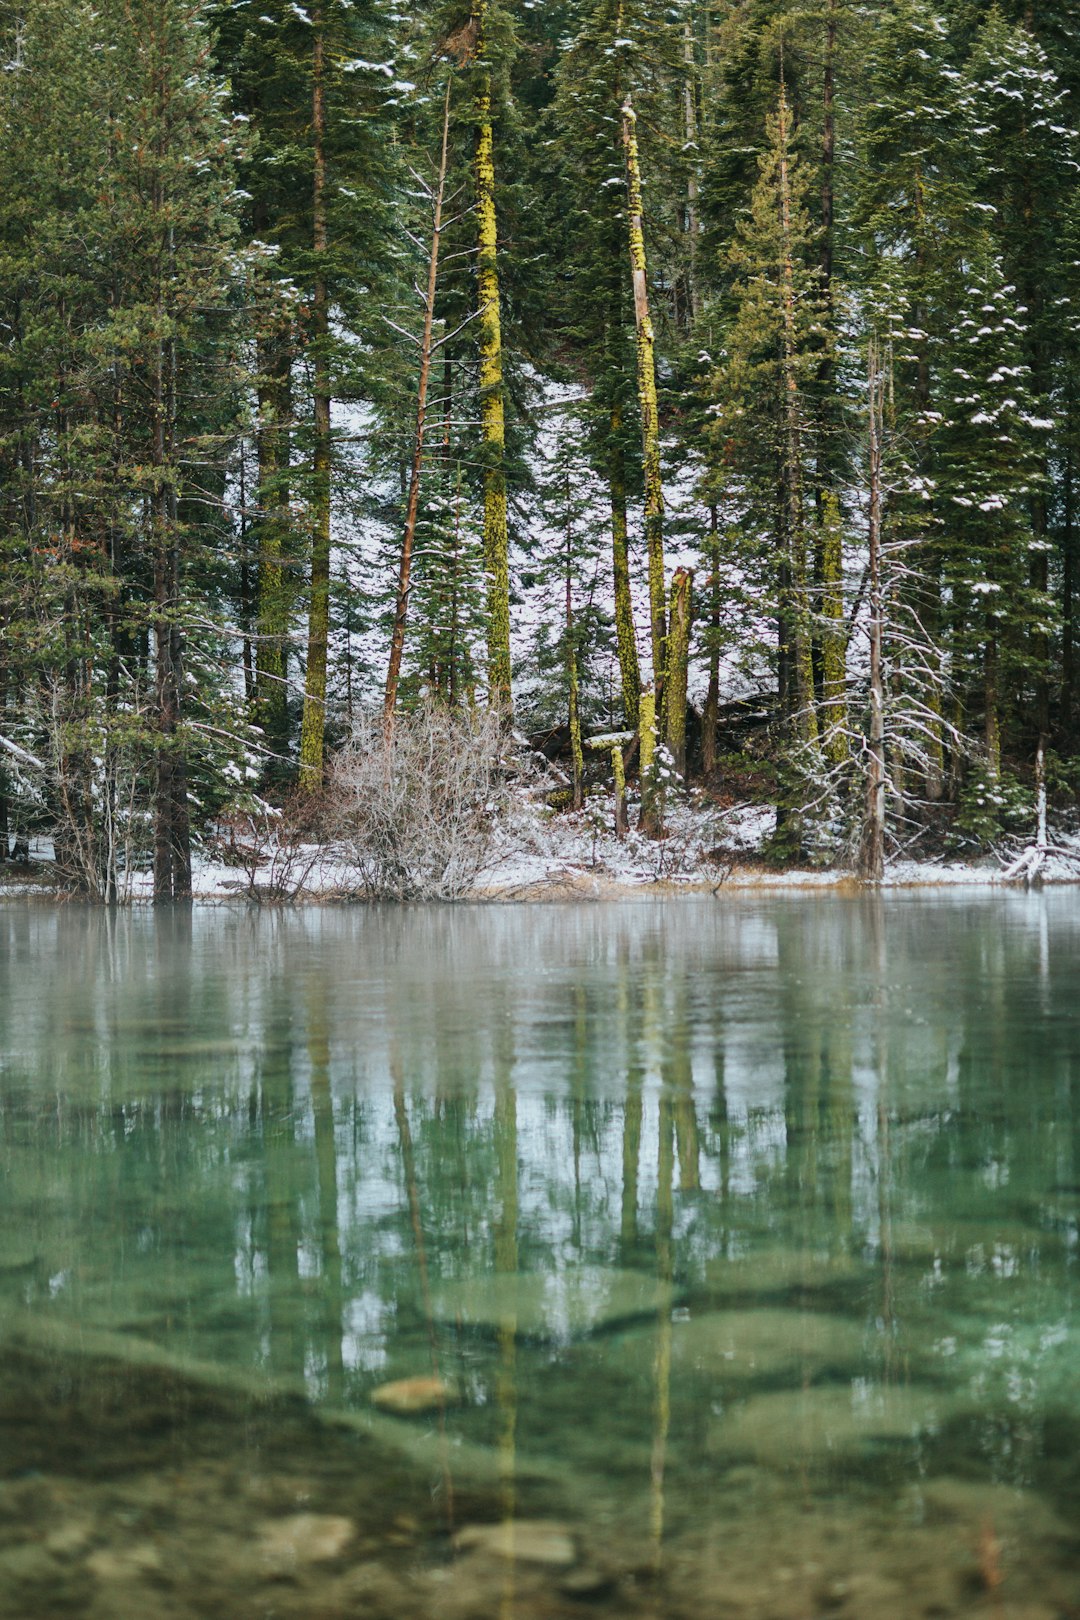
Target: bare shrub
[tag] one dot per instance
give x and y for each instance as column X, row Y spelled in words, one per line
column 275, row 849
column 416, row 809
column 98, row 788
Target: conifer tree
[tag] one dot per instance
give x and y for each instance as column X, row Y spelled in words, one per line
column 318, row 85
column 621, row 47
column 990, row 470
column 916, row 219
column 648, row 409
column 123, row 289
column 1028, row 155
column 762, row 388
column 477, row 50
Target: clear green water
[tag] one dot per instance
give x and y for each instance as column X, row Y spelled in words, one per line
column 744, row 1236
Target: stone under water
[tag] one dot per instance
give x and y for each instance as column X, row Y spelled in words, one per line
column 408, row 1396
column 767, row 1343
column 303, row 1538
column 778, row 1271
column 559, row 1305
column 788, row 1427
column 529, row 1541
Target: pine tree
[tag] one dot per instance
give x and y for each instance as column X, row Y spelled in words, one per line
column 916, row 219
column 483, row 46
column 990, row 459
column 318, row 85
column 1029, row 164
column 762, row 388
column 621, row 47
column 123, row 288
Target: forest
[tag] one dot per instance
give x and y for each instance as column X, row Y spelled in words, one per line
column 500, row 377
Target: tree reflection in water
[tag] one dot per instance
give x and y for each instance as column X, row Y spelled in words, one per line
column 844, row 1133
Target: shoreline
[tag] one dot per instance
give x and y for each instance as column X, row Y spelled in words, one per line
column 596, row 886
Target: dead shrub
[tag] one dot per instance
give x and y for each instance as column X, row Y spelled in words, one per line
column 415, row 809
column 276, row 849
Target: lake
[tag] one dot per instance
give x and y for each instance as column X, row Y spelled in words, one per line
column 672, row 1258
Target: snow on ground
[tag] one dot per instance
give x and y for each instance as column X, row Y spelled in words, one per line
column 539, row 853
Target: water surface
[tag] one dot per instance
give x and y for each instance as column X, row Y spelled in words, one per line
column 742, row 1236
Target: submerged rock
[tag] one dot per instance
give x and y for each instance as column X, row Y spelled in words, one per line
column 808, row 1425
column 302, row 1538
column 551, row 1305
column 971, row 1504
column 124, row 1563
column 778, row 1271
column 767, row 1343
column 588, row 1583
column 70, row 1538
column 527, row 1541
column 412, row 1395
column 1005, row 1248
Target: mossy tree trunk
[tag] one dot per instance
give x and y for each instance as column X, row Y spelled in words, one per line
column 619, row 772
column 678, row 656
column 492, row 413
column 647, row 401
column 652, row 798
column 626, row 637
column 313, row 729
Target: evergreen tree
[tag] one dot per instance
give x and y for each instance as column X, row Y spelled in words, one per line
column 119, row 400
column 319, row 86
column 622, row 47
column 1028, row 170
column 990, row 457
column 917, row 220
column 763, row 387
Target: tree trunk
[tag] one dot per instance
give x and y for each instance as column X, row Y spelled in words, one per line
column 992, row 703
column 650, row 421
column 492, row 417
column 680, row 622
column 827, row 424
column 828, row 156
column 397, row 640
column 313, row 729
column 248, row 602
column 617, row 766
column 872, row 854
column 1068, row 581
column 930, row 610
column 798, row 606
column 712, row 696
column 4, row 816
column 693, row 225
column 272, row 616
column 172, row 831
column 834, row 638
column 626, row 636
column 577, row 754
column 652, row 797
